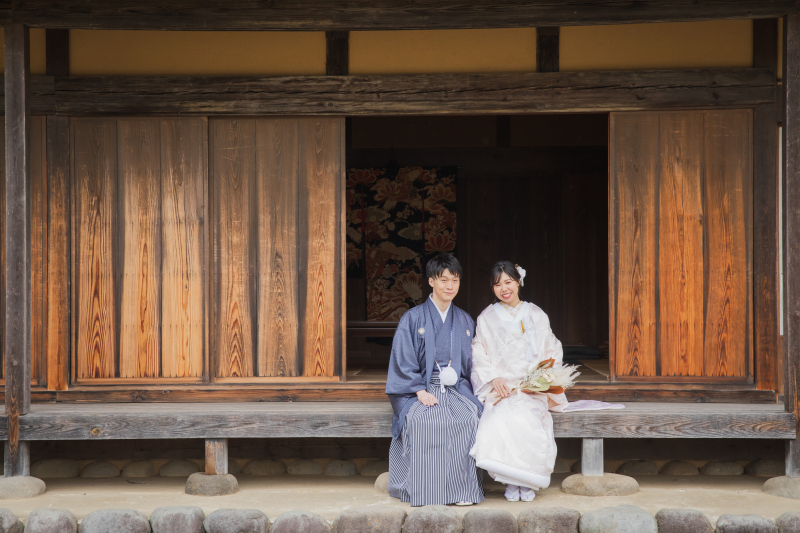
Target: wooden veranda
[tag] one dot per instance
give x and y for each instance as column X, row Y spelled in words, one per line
column 81, row 404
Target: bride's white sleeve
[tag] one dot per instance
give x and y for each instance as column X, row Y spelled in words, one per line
column 483, row 369
column 552, row 350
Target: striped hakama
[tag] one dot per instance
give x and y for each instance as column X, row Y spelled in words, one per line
column 429, row 462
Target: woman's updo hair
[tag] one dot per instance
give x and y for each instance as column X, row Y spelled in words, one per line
column 504, row 267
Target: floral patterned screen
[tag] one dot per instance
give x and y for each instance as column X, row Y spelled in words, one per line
column 397, row 218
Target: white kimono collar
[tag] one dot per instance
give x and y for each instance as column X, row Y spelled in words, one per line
column 503, row 313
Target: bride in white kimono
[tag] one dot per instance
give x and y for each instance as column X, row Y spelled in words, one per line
column 515, row 441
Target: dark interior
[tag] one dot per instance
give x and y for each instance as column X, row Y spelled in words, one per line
column 531, row 189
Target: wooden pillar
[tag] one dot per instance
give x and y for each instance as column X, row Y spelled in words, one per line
column 791, row 227
column 765, row 214
column 18, row 260
column 57, row 50
column 592, row 457
column 337, row 53
column 216, row 456
column 548, row 42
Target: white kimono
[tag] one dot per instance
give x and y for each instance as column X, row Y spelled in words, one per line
column 515, row 442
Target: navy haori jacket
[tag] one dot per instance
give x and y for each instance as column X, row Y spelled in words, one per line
column 413, row 356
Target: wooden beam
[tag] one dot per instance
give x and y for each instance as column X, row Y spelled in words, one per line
column 765, row 215
column 791, row 229
column 337, row 45
column 57, row 349
column 374, row 419
column 375, row 15
column 42, row 95
column 592, row 457
column 18, row 246
column 57, row 52
column 547, row 49
column 442, row 94
column 216, row 456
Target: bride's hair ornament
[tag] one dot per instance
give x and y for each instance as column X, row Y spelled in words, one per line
column 522, row 275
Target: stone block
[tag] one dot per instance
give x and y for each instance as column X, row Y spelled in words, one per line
column 638, row 468
column 236, row 521
column 300, row 522
column 605, row 485
column 489, row 521
column 139, row 469
column 54, row 468
column 264, row 467
column 618, row 519
column 788, row 522
column 233, row 467
column 783, row 486
column 382, row 483
column 202, row 484
column 14, row 488
column 683, row 521
column 433, row 519
column 182, row 519
column 680, row 468
column 722, row 468
column 100, row 469
column 304, row 467
column 561, row 466
column 549, row 520
column 338, row 467
column 375, row 468
column 51, row 521
column 9, row 523
column 370, row 520
column 115, row 521
column 766, row 468
column 748, row 523
column 178, row 468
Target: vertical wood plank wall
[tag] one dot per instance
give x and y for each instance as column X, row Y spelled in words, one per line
column 680, row 246
column 276, row 186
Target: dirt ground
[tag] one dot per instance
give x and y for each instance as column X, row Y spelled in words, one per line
column 328, row 496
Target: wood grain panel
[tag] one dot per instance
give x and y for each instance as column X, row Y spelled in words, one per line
column 320, row 174
column 59, row 253
column 634, row 207
column 38, row 180
column 183, row 176
column 728, row 208
column 277, row 189
column 680, row 243
column 94, row 168
column 233, row 167
column 140, row 243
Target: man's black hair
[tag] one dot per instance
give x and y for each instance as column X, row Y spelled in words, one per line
column 442, row 262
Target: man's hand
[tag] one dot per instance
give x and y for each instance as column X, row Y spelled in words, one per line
column 426, row 398
column 500, row 387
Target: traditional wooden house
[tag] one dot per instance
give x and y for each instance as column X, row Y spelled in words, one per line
column 200, row 249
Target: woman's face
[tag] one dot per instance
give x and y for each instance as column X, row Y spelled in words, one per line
column 507, row 290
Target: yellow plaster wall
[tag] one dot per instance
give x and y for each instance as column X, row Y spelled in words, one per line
column 38, row 57
column 442, row 51
column 714, row 44
column 161, row 53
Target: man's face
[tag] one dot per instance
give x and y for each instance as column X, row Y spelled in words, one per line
column 445, row 287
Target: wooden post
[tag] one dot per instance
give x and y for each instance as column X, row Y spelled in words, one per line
column 791, row 227
column 57, row 52
column 337, row 53
column 765, row 215
column 216, row 456
column 547, row 49
column 18, row 249
column 592, row 457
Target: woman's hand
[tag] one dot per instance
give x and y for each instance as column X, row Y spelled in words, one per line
column 500, row 387
column 426, row 398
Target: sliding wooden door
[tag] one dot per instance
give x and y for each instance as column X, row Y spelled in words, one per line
column 680, row 245
column 207, row 249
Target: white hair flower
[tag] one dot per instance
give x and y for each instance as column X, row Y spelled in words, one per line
column 522, row 274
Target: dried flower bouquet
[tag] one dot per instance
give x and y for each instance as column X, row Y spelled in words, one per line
column 547, row 377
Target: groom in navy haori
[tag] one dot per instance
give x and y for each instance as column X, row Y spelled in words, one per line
column 435, row 412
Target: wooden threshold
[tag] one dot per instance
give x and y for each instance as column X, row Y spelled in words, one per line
column 374, row 419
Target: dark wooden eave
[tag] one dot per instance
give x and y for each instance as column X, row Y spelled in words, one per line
column 532, row 92
column 322, row 15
